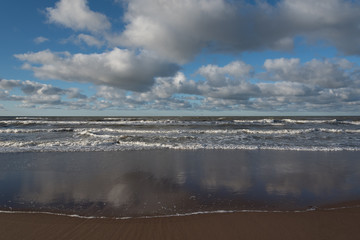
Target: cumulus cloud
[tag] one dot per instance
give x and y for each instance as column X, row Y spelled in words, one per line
column 76, row 14
column 37, row 94
column 228, row 82
column 174, row 29
column 316, row 85
column 230, row 74
column 327, row 74
column 335, row 21
column 288, row 89
column 178, row 30
column 142, row 68
column 161, row 96
column 119, row 68
column 294, row 86
column 166, row 87
column 285, row 85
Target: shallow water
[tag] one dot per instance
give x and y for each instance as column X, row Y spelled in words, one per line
column 168, row 182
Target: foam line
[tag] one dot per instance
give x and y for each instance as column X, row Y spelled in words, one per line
column 181, row 214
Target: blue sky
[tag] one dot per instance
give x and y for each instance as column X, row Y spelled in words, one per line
column 191, row 57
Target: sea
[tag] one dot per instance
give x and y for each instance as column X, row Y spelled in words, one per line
column 88, row 134
column 123, row 167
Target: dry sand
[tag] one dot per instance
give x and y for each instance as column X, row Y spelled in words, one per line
column 342, row 223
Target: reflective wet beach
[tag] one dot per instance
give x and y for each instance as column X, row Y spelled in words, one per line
column 166, row 182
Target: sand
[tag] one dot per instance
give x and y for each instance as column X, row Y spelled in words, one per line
column 343, row 223
column 99, row 184
column 162, row 182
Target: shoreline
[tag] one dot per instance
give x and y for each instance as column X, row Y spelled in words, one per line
column 272, row 185
column 340, row 223
column 166, row 183
column 328, row 208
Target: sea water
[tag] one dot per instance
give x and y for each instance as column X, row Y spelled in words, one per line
column 69, row 134
column 172, row 182
column 161, row 166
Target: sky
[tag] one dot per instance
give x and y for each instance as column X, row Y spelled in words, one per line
column 171, row 57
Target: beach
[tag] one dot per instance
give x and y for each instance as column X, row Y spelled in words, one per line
column 171, row 182
column 318, row 224
column 172, row 194
column 165, row 119
column 179, row 178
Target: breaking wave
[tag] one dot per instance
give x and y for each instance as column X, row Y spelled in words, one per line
column 27, row 134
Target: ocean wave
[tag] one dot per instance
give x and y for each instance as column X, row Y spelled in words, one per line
column 175, row 122
column 21, row 130
column 117, row 134
column 97, row 132
column 300, row 121
column 192, row 132
column 118, row 145
column 31, row 118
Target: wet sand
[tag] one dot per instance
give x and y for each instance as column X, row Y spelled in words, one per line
column 153, row 183
column 319, row 224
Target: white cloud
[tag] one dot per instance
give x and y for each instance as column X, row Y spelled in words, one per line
column 333, row 21
column 282, row 65
column 118, row 68
column 76, row 14
column 287, row 89
column 236, row 90
column 161, row 34
column 316, row 85
column 175, row 30
column 40, row 95
column 230, row 74
column 166, row 87
column 227, row 82
column 111, row 93
column 178, row 30
column 40, row 39
column 89, row 40
column 311, row 86
column 327, row 74
column 9, row 84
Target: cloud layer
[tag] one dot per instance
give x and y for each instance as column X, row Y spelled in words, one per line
column 284, row 85
column 119, row 68
column 141, row 66
column 178, row 30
